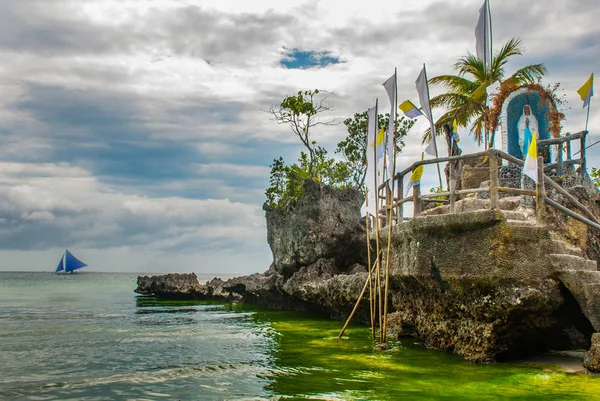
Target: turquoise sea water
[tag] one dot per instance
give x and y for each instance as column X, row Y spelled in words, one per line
column 89, row 337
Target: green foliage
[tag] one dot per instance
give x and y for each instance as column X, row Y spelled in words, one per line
column 301, row 112
column 353, row 147
column 287, row 182
column 300, row 104
column 596, row 177
column 437, row 190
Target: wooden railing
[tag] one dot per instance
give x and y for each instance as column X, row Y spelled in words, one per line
column 395, row 204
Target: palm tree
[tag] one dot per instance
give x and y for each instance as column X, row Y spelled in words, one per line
column 466, row 97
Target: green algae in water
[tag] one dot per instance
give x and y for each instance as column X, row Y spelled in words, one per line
column 310, row 362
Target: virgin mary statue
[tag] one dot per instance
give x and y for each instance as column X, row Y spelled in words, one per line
column 528, row 126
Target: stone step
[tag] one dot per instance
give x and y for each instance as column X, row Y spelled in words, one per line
column 573, row 262
column 509, row 203
column 591, row 308
column 579, row 277
column 514, row 215
column 524, row 223
column 561, row 247
column 584, row 285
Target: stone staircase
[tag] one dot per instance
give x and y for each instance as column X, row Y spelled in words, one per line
column 579, row 274
column 569, row 264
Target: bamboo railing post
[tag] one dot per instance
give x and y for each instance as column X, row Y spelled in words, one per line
column 400, row 207
column 451, row 187
column 493, row 158
column 559, row 159
column 540, row 193
column 417, row 206
column 568, row 147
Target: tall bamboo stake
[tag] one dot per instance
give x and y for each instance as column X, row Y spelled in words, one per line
column 389, row 202
column 376, row 186
column 371, row 304
column 362, row 293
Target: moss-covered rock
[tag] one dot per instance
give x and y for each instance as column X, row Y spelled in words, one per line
column 480, row 319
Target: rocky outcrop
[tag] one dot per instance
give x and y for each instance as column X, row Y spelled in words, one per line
column 482, row 320
column 184, row 285
column 319, row 252
column 323, row 225
column 591, row 360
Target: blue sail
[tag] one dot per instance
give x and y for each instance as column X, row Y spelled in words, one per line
column 72, row 263
column 60, row 264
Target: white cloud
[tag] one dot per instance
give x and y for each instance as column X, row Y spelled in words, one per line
column 137, row 126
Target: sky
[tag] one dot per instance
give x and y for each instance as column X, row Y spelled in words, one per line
column 134, row 132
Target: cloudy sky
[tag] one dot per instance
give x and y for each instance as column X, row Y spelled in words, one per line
column 133, row 133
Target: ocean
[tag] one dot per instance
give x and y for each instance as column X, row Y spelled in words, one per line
column 88, row 336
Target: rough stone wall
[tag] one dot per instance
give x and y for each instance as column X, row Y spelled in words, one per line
column 475, row 244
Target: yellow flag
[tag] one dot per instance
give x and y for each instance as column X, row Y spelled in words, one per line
column 587, row 90
column 415, row 177
column 530, row 167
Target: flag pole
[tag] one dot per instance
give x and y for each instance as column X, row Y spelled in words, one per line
column 376, row 186
column 433, row 134
column 488, row 67
column 485, row 52
column 371, row 305
column 587, row 118
column 389, row 206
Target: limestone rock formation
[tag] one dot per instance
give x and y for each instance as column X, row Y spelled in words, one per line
column 325, row 224
column 176, row 285
column 591, row 360
column 319, row 252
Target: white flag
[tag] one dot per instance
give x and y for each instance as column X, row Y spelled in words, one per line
column 430, row 149
column 493, row 90
column 369, row 205
column 390, row 86
column 483, row 35
column 423, row 91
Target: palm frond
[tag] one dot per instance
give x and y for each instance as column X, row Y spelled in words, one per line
column 449, row 100
column 470, row 65
column 527, row 75
column 480, row 93
column 455, row 83
column 514, row 47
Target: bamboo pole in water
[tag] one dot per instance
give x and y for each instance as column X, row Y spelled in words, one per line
column 390, row 210
column 362, row 293
column 371, row 304
column 377, row 247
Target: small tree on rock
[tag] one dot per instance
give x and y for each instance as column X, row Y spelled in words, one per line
column 302, row 112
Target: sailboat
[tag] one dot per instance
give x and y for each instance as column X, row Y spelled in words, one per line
column 69, row 263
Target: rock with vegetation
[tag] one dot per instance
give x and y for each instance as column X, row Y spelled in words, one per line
column 324, row 224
